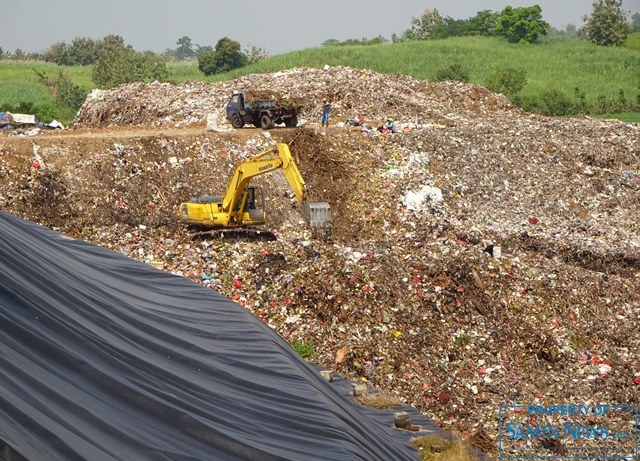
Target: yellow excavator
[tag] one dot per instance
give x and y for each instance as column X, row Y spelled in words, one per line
column 243, row 203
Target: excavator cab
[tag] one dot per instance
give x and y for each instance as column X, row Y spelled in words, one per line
column 251, row 202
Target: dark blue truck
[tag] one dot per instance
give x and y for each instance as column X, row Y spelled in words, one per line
column 262, row 109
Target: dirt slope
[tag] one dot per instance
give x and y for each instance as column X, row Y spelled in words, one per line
column 481, row 257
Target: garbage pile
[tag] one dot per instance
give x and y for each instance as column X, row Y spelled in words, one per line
column 483, row 256
column 353, row 92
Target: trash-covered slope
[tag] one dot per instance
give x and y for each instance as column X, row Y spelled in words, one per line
column 483, row 256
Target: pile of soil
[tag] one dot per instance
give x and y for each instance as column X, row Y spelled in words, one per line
column 481, row 257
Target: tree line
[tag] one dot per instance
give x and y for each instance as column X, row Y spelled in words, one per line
column 112, row 50
column 114, row 62
column 607, row 25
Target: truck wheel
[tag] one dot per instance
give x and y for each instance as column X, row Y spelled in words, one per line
column 266, row 123
column 291, row 122
column 236, row 122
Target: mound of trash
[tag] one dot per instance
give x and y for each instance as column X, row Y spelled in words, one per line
column 365, row 93
column 481, row 257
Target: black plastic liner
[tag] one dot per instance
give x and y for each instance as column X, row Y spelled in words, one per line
column 106, row 358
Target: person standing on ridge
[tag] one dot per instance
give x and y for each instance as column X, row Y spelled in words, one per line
column 326, row 106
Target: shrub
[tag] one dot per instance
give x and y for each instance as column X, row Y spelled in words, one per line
column 68, row 94
column 304, row 348
column 622, row 104
column 508, row 82
column 532, row 104
column 454, row 72
column 601, row 105
column 580, row 106
column 555, row 102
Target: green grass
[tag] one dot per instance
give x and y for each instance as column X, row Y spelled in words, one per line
column 21, row 88
column 15, row 91
column 557, row 64
column 181, row 71
column 628, row 117
column 304, row 348
column 633, row 41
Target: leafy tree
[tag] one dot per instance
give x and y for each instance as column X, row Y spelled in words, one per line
column 207, row 62
column 571, row 31
column 378, row 40
column 169, row 54
column 330, row 42
column 508, row 82
column 57, row 53
column 423, row 28
column 635, row 21
column 69, row 94
column 255, row 54
column 149, row 67
column 607, row 25
column 355, row 41
column 454, row 72
column 119, row 63
column 113, row 65
column 185, row 49
column 19, row 55
column 83, row 51
column 449, row 28
column 227, row 56
column 2, row 55
column 204, row 49
column 483, row 23
column 521, row 25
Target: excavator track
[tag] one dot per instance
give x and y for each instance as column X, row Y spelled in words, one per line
column 239, row 234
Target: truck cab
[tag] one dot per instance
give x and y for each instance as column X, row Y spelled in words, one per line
column 236, row 110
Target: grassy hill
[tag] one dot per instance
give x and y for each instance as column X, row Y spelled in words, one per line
column 559, row 68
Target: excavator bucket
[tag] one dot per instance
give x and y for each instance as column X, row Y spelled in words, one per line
column 317, row 213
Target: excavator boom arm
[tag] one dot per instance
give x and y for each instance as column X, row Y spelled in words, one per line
column 265, row 162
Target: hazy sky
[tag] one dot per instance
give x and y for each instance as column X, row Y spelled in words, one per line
column 275, row 26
